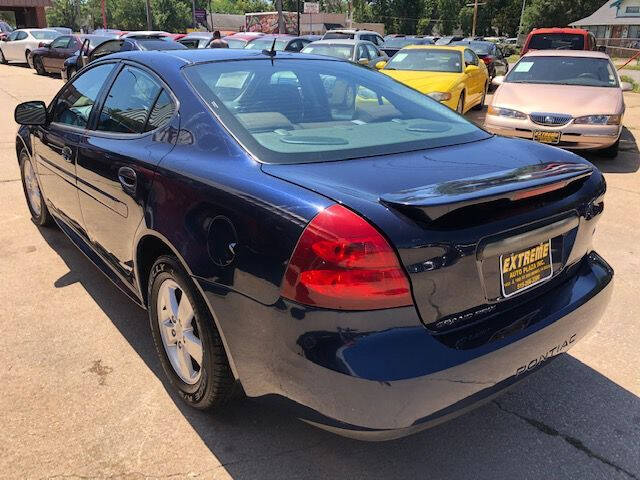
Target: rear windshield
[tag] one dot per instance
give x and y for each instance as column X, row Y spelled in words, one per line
column 429, row 60
column 338, row 51
column 45, row 34
column 400, row 42
column 481, row 48
column 235, row 43
column 338, row 35
column 265, row 44
column 94, row 40
column 160, row 45
column 593, row 72
column 557, row 41
column 304, row 110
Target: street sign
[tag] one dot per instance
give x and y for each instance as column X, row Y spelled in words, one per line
column 201, row 15
column 311, row 7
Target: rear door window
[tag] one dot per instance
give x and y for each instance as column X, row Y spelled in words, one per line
column 129, row 102
column 61, row 42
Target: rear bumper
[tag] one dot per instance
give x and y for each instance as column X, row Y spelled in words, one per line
column 387, row 383
column 578, row 137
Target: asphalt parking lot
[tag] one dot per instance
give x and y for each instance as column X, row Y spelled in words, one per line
column 82, row 395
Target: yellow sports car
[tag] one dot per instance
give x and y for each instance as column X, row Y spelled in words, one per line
column 453, row 75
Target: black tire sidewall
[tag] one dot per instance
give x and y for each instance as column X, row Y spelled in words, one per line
column 44, row 217
column 37, row 64
column 201, row 394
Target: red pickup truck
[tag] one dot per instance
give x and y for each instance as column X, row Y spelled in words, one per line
column 559, row 39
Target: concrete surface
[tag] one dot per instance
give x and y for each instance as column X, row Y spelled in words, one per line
column 82, row 395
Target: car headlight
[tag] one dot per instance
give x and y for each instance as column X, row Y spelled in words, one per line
column 506, row 112
column 440, row 96
column 598, row 120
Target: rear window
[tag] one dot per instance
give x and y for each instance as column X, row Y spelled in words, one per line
column 265, row 44
column 430, row 60
column 338, row 35
column 160, row 45
column 235, row 43
column 338, row 51
column 296, row 111
column 45, row 34
column 557, row 41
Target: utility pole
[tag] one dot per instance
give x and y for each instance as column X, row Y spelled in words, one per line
column 103, row 8
column 524, row 3
column 193, row 13
column 149, row 15
column 281, row 28
column 298, row 11
column 475, row 6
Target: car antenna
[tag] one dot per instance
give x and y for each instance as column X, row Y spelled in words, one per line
column 272, row 52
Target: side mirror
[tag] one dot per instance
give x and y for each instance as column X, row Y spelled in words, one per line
column 381, row 64
column 31, row 113
column 626, row 86
column 499, row 80
column 471, row 68
column 363, row 61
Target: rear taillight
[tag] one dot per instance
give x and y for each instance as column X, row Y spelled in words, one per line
column 487, row 60
column 342, row 262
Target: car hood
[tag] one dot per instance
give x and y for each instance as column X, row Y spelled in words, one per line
column 572, row 99
column 425, row 81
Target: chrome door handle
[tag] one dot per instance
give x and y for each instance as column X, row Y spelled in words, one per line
column 67, row 154
column 128, row 179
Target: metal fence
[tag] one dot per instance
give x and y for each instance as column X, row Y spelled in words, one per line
column 620, row 47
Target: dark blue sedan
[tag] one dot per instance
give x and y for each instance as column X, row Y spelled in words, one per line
column 302, row 228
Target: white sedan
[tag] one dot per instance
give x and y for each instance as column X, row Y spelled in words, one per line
column 20, row 43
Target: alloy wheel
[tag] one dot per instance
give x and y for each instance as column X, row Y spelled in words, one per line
column 179, row 332
column 33, row 189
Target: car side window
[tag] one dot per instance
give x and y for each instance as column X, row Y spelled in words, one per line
column 161, row 112
column 129, row 102
column 470, row 58
column 362, row 53
column 14, row 35
column 191, row 43
column 21, row 35
column 373, row 51
column 74, row 105
column 60, row 42
column 378, row 40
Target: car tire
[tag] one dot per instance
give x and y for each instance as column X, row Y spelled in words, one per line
column 480, row 106
column 35, row 200
column 37, row 64
column 460, row 106
column 611, row 151
column 207, row 385
column 2, row 59
column 26, row 56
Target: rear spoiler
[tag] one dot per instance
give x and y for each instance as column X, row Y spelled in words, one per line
column 440, row 199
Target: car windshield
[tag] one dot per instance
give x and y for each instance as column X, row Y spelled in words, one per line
column 310, row 110
column 331, row 50
column 595, row 72
column 556, row 41
column 44, row 34
column 265, row 44
column 481, row 48
column 235, row 43
column 426, row 59
column 399, row 42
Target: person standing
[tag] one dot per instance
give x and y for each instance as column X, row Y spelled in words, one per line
column 217, row 42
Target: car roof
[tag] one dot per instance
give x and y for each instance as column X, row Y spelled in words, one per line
column 198, row 35
column 340, row 41
column 351, row 31
column 566, row 53
column 29, row 30
column 456, row 48
column 578, row 31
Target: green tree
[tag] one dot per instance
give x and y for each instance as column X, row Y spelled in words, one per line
column 449, row 11
column 66, row 13
column 553, row 13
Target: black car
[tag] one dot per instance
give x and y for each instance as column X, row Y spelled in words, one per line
column 89, row 52
column 393, row 44
column 491, row 54
column 304, row 229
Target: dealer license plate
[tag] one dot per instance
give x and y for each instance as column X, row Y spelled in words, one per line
column 525, row 268
column 546, row 137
